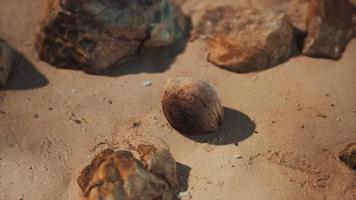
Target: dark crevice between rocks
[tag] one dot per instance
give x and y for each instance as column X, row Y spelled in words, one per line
column 348, row 156
column 298, row 42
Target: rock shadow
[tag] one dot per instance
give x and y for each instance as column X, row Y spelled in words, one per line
column 24, row 75
column 183, row 172
column 156, row 60
column 236, row 127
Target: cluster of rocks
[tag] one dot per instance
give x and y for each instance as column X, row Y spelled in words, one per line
column 97, row 34
column 250, row 39
column 119, row 175
column 6, row 59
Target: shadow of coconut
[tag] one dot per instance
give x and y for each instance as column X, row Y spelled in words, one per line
column 236, row 127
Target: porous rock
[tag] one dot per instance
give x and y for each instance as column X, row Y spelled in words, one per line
column 120, row 176
column 296, row 10
column 97, row 34
column 245, row 40
column 191, row 106
column 6, row 57
column 329, row 28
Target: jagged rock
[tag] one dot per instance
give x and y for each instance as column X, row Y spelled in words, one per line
column 120, row 176
column 159, row 162
column 296, row 10
column 329, row 28
column 6, row 57
column 96, row 34
column 244, row 40
column 191, row 106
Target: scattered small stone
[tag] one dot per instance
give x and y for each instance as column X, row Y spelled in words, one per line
column 246, row 40
column 147, row 83
column 6, row 58
column 302, row 126
column 338, row 119
column 273, row 122
column 256, row 132
column 136, row 124
column 2, row 112
column 184, row 195
column 321, row 116
column 332, row 105
column 329, row 28
column 191, row 106
column 50, row 108
column 238, row 157
column 77, row 121
column 36, row 116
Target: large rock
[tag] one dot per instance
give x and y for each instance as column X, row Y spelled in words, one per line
column 120, row 176
column 95, row 34
column 245, row 40
column 296, row 10
column 329, row 28
column 6, row 57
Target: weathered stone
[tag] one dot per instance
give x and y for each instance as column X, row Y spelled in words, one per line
column 159, row 162
column 244, row 40
column 296, row 10
column 329, row 28
column 6, row 57
column 191, row 106
column 120, row 176
column 96, row 34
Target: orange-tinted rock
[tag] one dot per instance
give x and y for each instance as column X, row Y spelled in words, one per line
column 96, row 34
column 245, row 40
column 296, row 10
column 329, row 28
column 6, row 57
column 120, row 176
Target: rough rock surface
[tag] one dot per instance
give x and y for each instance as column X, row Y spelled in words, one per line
column 96, row 34
column 329, row 28
column 191, row 106
column 6, row 56
column 120, row 176
column 296, row 10
column 245, row 40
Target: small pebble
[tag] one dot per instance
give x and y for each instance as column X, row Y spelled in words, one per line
column 338, row 119
column 184, row 195
column 147, row 83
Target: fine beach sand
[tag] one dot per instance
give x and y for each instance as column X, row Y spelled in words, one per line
column 284, row 126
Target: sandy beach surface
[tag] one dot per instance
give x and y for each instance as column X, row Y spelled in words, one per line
column 283, row 129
